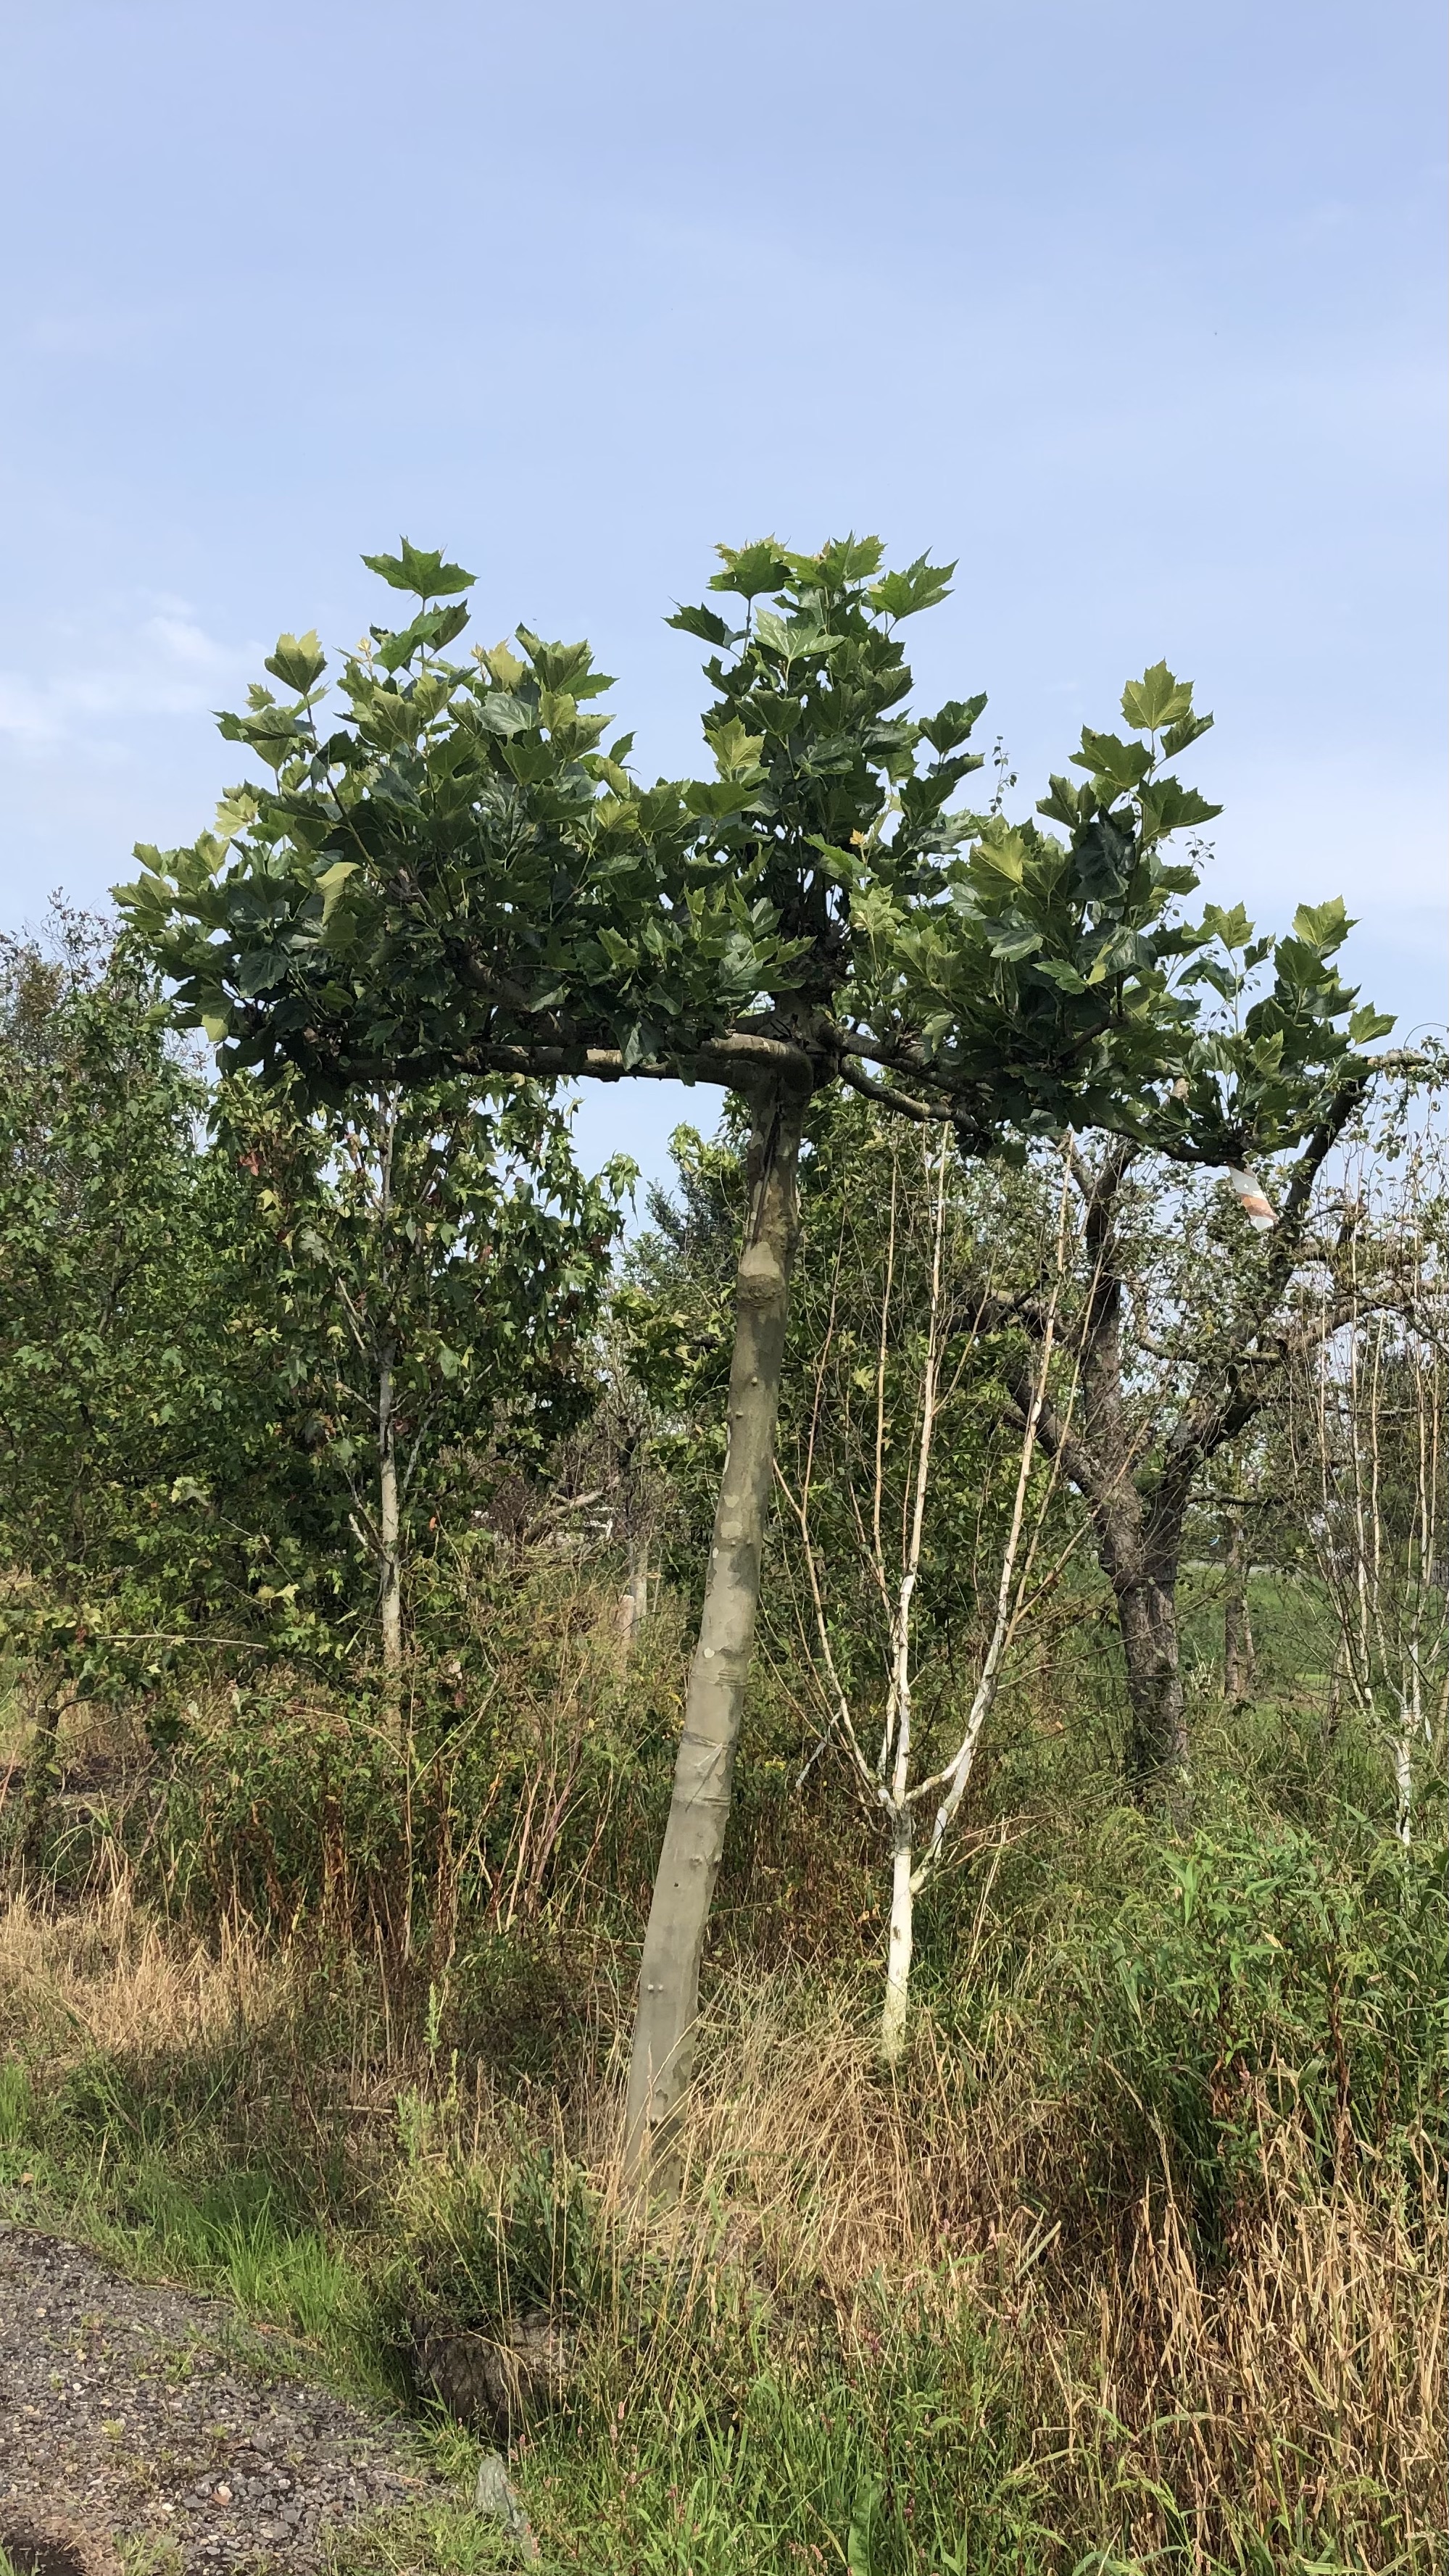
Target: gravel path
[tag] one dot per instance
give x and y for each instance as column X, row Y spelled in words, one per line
column 148, row 2415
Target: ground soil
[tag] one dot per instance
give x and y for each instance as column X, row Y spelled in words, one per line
column 145, row 2415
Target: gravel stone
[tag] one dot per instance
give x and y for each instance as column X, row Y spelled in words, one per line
column 142, row 2413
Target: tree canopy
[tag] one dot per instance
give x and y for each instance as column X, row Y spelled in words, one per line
column 448, row 869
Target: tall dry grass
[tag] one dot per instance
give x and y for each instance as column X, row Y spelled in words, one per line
column 1294, row 2374
column 1164, row 2392
column 109, row 1976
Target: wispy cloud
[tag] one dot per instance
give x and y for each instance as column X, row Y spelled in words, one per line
column 157, row 661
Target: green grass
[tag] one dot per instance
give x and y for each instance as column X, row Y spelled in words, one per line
column 1162, row 2003
column 734, row 2453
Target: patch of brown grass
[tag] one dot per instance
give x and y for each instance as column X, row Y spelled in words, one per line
column 110, row 1976
column 1298, row 2369
column 1162, row 2392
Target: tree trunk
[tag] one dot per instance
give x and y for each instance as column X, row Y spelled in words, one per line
column 898, row 1955
column 1238, row 1656
column 1157, row 1740
column 42, row 1779
column 1403, row 1762
column 634, row 1599
column 389, row 1526
column 660, row 2063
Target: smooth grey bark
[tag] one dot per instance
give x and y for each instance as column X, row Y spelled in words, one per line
column 634, row 1599
column 1239, row 1659
column 389, row 1528
column 899, row 1947
column 663, row 2047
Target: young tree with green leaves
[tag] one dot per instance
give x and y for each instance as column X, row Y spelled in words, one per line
column 438, row 1264
column 148, row 1506
column 453, row 876
column 118, row 1389
column 1358, row 1452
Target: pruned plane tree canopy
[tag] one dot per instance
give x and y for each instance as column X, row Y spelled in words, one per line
column 451, row 870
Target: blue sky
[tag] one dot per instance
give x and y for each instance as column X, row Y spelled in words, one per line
column 1137, row 312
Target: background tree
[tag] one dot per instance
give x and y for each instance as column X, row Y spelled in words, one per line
column 150, row 1500
column 1215, row 1296
column 1359, row 1456
column 880, row 1457
column 143, row 1491
column 438, row 1265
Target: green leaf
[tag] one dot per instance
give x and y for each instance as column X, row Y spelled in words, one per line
column 1167, row 806
column 566, row 668
column 736, row 753
column 845, row 867
column 330, row 884
column 501, row 666
column 706, row 623
column 430, row 626
column 1233, row 928
column 238, row 809
column 1002, row 850
column 501, row 713
column 1064, row 803
column 1121, row 766
column 451, row 622
column 271, row 733
column 298, row 661
column 751, row 570
column 862, row 2524
column 1367, row 1023
column 425, row 575
column 1157, row 699
column 719, row 797
column 903, row 594
column 1103, row 858
column 530, row 762
column 1178, row 736
column 775, row 633
column 846, row 559
column 952, row 724
column 258, row 971
column 1016, row 940
column 1323, row 926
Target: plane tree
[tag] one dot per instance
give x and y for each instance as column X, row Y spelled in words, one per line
column 450, row 872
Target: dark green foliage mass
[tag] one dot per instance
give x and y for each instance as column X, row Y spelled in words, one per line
column 451, row 872
column 192, row 1285
column 148, row 1485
